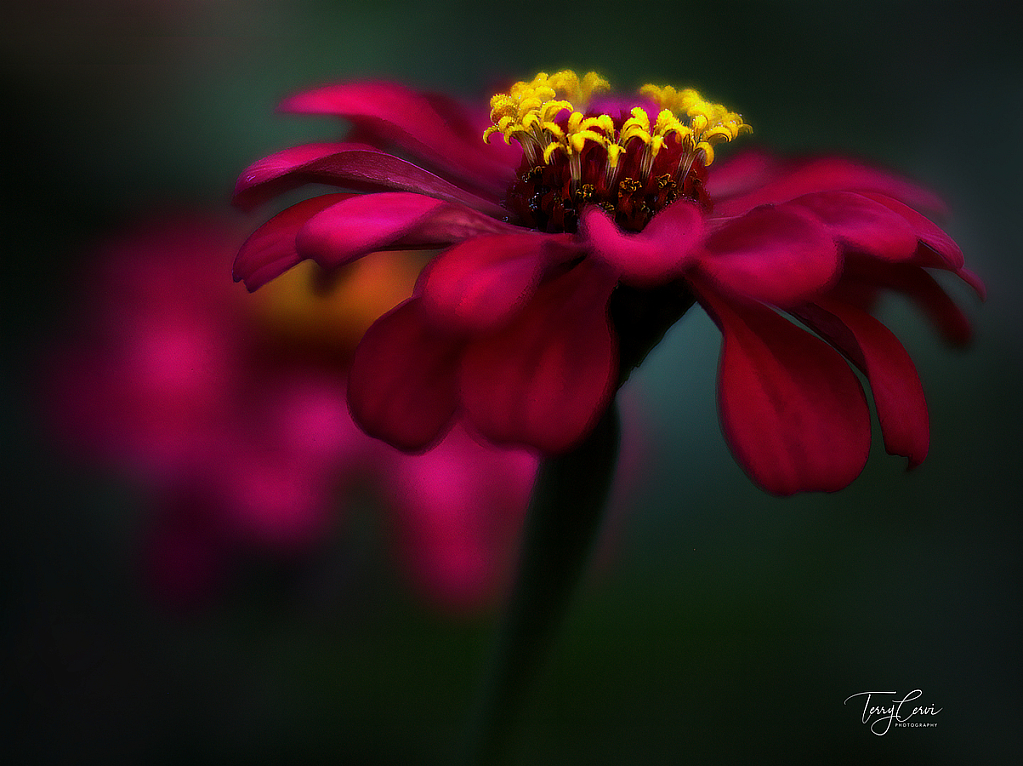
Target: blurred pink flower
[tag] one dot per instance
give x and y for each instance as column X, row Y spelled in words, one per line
column 230, row 411
column 567, row 255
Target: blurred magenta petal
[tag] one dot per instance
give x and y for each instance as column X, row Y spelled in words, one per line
column 974, row 281
column 545, row 378
column 469, row 125
column 363, row 224
column 792, row 411
column 460, row 527
column 230, row 411
column 920, row 287
column 412, row 122
column 742, row 173
column 799, row 177
column 862, row 223
column 275, row 502
column 928, row 233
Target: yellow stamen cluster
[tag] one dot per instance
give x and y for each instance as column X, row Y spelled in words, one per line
column 709, row 123
column 528, row 113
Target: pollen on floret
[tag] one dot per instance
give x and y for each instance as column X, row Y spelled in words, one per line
column 632, row 164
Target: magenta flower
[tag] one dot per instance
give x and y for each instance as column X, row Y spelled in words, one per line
column 230, row 413
column 567, row 257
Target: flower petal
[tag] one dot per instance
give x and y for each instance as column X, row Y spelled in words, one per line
column 898, row 394
column 480, row 283
column 270, row 250
column 352, row 166
column 973, row 281
column 791, row 409
column 461, row 507
column 657, row 254
column 936, row 241
column 779, row 255
column 919, row 286
column 412, row 121
column 800, row 177
column 402, row 385
column 469, row 125
column 741, row 173
column 544, row 379
column 862, row 223
column 366, row 223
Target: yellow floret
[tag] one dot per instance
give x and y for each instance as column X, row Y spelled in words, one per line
column 529, row 113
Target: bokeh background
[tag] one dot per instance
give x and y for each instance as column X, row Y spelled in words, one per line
column 726, row 626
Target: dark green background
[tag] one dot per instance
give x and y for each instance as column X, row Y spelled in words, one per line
column 729, row 626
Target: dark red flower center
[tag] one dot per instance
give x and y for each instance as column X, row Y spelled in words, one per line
column 548, row 199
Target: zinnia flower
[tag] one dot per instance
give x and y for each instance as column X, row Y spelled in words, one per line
column 571, row 251
column 230, row 413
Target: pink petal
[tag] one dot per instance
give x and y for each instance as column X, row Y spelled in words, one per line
column 792, row 410
column 284, row 170
column 411, row 121
column 898, row 394
column 778, row 255
column 741, row 173
column 930, row 234
column 862, row 223
column 483, row 281
column 823, row 174
column 470, row 124
column 657, row 254
column 273, row 500
column 544, row 379
column 366, row 223
column 460, row 508
column 402, row 386
column 921, row 288
column 352, row 166
column 270, row 250
column 973, row 281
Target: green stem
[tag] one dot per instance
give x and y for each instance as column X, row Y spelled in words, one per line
column 563, row 520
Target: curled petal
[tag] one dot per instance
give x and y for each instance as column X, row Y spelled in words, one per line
column 973, row 281
column 270, row 250
column 659, row 253
column 415, row 122
column 791, row 409
column 898, row 394
column 935, row 240
column 480, row 283
column 823, row 174
column 779, row 255
column 351, row 166
column 389, row 221
column 918, row 286
column 402, row 385
column 544, row 379
column 862, row 224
